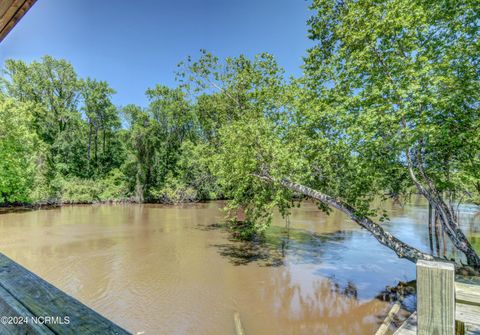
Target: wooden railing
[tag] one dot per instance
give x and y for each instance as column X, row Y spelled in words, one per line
column 445, row 306
column 30, row 305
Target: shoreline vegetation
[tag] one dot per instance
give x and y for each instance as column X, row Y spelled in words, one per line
column 59, row 203
column 387, row 105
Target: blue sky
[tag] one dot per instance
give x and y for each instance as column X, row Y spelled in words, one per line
column 136, row 44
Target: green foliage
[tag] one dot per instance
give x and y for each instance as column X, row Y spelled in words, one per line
column 56, row 139
column 52, row 85
column 166, row 159
column 78, row 190
column 384, row 81
column 399, row 77
column 112, row 187
column 246, row 230
column 17, row 151
column 174, row 191
column 243, row 106
column 103, row 122
column 194, row 168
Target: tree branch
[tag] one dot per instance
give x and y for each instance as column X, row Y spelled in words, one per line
column 402, row 249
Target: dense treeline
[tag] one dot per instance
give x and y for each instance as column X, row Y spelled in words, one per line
column 64, row 141
column 388, row 105
column 68, row 143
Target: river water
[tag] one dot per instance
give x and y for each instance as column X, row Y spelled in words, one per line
column 156, row 269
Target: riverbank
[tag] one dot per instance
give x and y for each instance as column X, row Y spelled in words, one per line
column 58, row 203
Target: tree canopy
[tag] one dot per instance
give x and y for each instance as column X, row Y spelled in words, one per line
column 387, row 106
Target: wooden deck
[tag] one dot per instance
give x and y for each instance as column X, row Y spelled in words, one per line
column 445, row 305
column 409, row 327
column 30, row 305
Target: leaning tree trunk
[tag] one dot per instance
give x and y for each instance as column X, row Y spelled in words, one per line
column 446, row 215
column 402, row 249
column 452, row 228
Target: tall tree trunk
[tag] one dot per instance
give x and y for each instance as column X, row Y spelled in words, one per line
column 103, row 148
column 402, row 249
column 96, row 145
column 89, row 143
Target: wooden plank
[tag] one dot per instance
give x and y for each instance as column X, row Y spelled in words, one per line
column 4, row 6
column 459, row 328
column 238, row 324
column 409, row 327
column 467, row 313
column 467, row 293
column 435, row 298
column 11, row 307
column 388, row 320
column 11, row 11
column 43, row 299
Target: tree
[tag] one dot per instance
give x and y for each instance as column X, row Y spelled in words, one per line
column 402, row 78
column 141, row 148
column 102, row 121
column 175, row 123
column 67, row 137
column 53, row 85
column 240, row 99
column 18, row 151
column 389, row 104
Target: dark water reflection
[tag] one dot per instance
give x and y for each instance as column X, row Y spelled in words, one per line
column 173, row 270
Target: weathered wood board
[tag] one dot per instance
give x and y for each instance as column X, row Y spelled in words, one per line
column 435, row 298
column 25, row 295
column 409, row 327
column 11, row 11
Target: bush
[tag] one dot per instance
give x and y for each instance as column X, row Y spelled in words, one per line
column 114, row 186
column 174, row 191
column 79, row 190
column 244, row 230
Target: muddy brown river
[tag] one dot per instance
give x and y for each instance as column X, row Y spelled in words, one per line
column 156, row 269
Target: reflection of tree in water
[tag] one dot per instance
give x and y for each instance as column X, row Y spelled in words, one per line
column 313, row 299
column 327, row 307
column 324, row 307
column 350, row 290
column 304, row 246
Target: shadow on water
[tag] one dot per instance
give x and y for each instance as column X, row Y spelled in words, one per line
column 355, row 264
column 277, row 245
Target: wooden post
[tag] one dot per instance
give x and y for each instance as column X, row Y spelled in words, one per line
column 388, row 320
column 238, row 324
column 435, row 298
column 459, row 328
